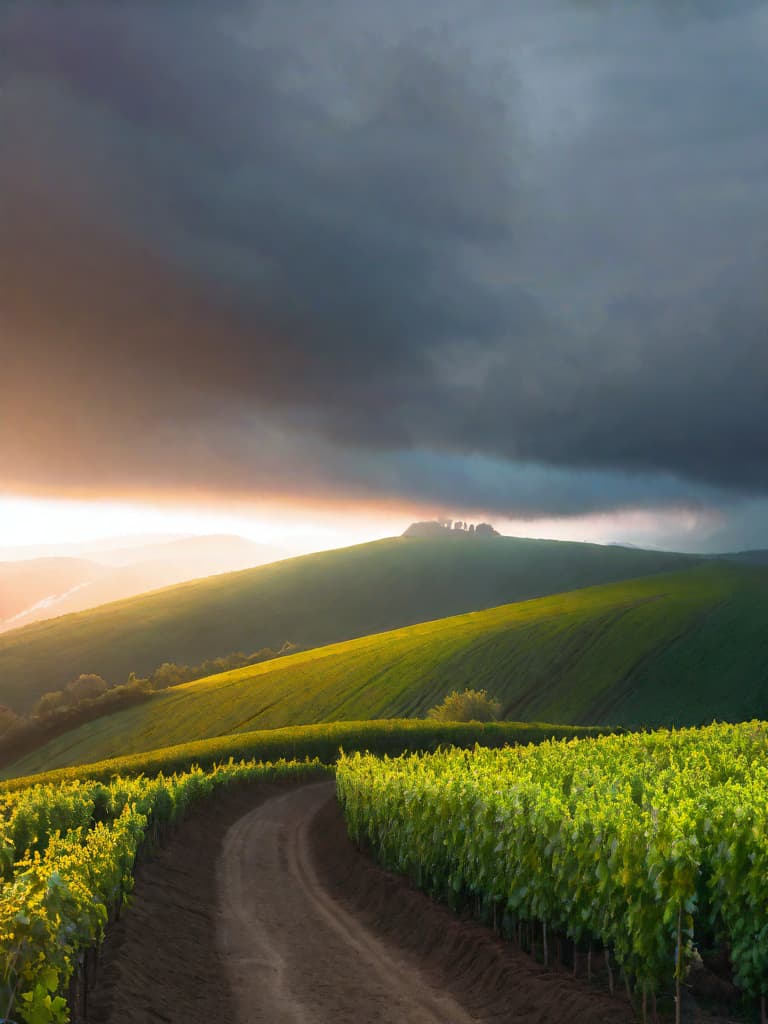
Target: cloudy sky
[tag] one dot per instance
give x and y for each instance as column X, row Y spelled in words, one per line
column 380, row 260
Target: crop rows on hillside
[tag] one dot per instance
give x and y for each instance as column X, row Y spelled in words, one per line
column 648, row 845
column 323, row 741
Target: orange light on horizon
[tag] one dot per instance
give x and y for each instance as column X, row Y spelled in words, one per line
column 295, row 526
column 49, row 521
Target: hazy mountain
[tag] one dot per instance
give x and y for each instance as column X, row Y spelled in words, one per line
column 25, row 584
column 217, row 553
column 41, row 588
column 90, row 549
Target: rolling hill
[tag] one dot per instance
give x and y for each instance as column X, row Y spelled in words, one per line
column 678, row 648
column 391, row 736
column 311, row 600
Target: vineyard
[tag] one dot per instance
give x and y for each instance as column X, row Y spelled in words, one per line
column 644, row 849
column 384, row 736
column 67, row 855
column 649, row 847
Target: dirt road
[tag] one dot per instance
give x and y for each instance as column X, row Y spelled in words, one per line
column 260, row 911
column 293, row 955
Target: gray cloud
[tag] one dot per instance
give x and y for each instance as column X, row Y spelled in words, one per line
column 510, row 257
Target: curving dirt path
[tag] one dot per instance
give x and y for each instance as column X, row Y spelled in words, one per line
column 292, row 954
column 260, row 911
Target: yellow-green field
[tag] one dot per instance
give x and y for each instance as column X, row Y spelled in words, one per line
column 316, row 599
column 680, row 648
column 324, row 742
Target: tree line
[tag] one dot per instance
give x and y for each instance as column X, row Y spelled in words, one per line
column 90, row 696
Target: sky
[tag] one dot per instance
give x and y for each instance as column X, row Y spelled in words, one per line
column 320, row 269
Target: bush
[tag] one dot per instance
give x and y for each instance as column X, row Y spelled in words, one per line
column 86, row 687
column 52, row 701
column 467, row 706
column 8, row 718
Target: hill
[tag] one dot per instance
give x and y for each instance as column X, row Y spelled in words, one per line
column 681, row 648
column 324, row 741
column 311, row 600
column 40, row 588
column 757, row 557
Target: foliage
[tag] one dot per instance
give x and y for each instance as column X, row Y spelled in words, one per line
column 385, row 736
column 89, row 697
column 8, row 719
column 56, row 713
column 171, row 674
column 51, row 702
column 467, row 706
column 87, row 686
column 642, row 842
column 69, row 853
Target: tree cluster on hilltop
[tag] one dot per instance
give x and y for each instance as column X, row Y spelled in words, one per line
column 443, row 527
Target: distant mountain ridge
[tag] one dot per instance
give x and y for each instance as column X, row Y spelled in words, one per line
column 24, row 584
column 756, row 557
column 41, row 588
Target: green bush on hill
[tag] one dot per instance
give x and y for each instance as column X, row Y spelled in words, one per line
column 467, row 706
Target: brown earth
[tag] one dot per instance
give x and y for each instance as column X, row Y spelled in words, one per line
column 260, row 911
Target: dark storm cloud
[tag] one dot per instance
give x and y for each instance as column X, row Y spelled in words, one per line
column 507, row 256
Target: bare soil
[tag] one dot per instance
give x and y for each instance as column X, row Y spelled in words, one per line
column 259, row 910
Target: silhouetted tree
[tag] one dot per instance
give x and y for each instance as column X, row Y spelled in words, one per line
column 486, row 530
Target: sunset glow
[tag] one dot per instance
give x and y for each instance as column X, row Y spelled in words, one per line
column 426, row 286
column 40, row 521
column 43, row 522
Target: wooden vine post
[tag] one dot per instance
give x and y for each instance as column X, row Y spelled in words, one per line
column 610, row 969
column 678, row 958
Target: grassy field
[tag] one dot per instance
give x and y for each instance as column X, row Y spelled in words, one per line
column 316, row 599
column 324, row 741
column 681, row 648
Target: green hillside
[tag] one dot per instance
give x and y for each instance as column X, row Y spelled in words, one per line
column 391, row 736
column 313, row 600
column 680, row 648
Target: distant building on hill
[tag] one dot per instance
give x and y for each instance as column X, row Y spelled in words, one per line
column 445, row 527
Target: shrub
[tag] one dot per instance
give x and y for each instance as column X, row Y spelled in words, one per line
column 86, row 687
column 8, row 718
column 467, row 706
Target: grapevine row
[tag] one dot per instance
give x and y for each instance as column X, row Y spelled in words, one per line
column 73, row 850
column 646, row 844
